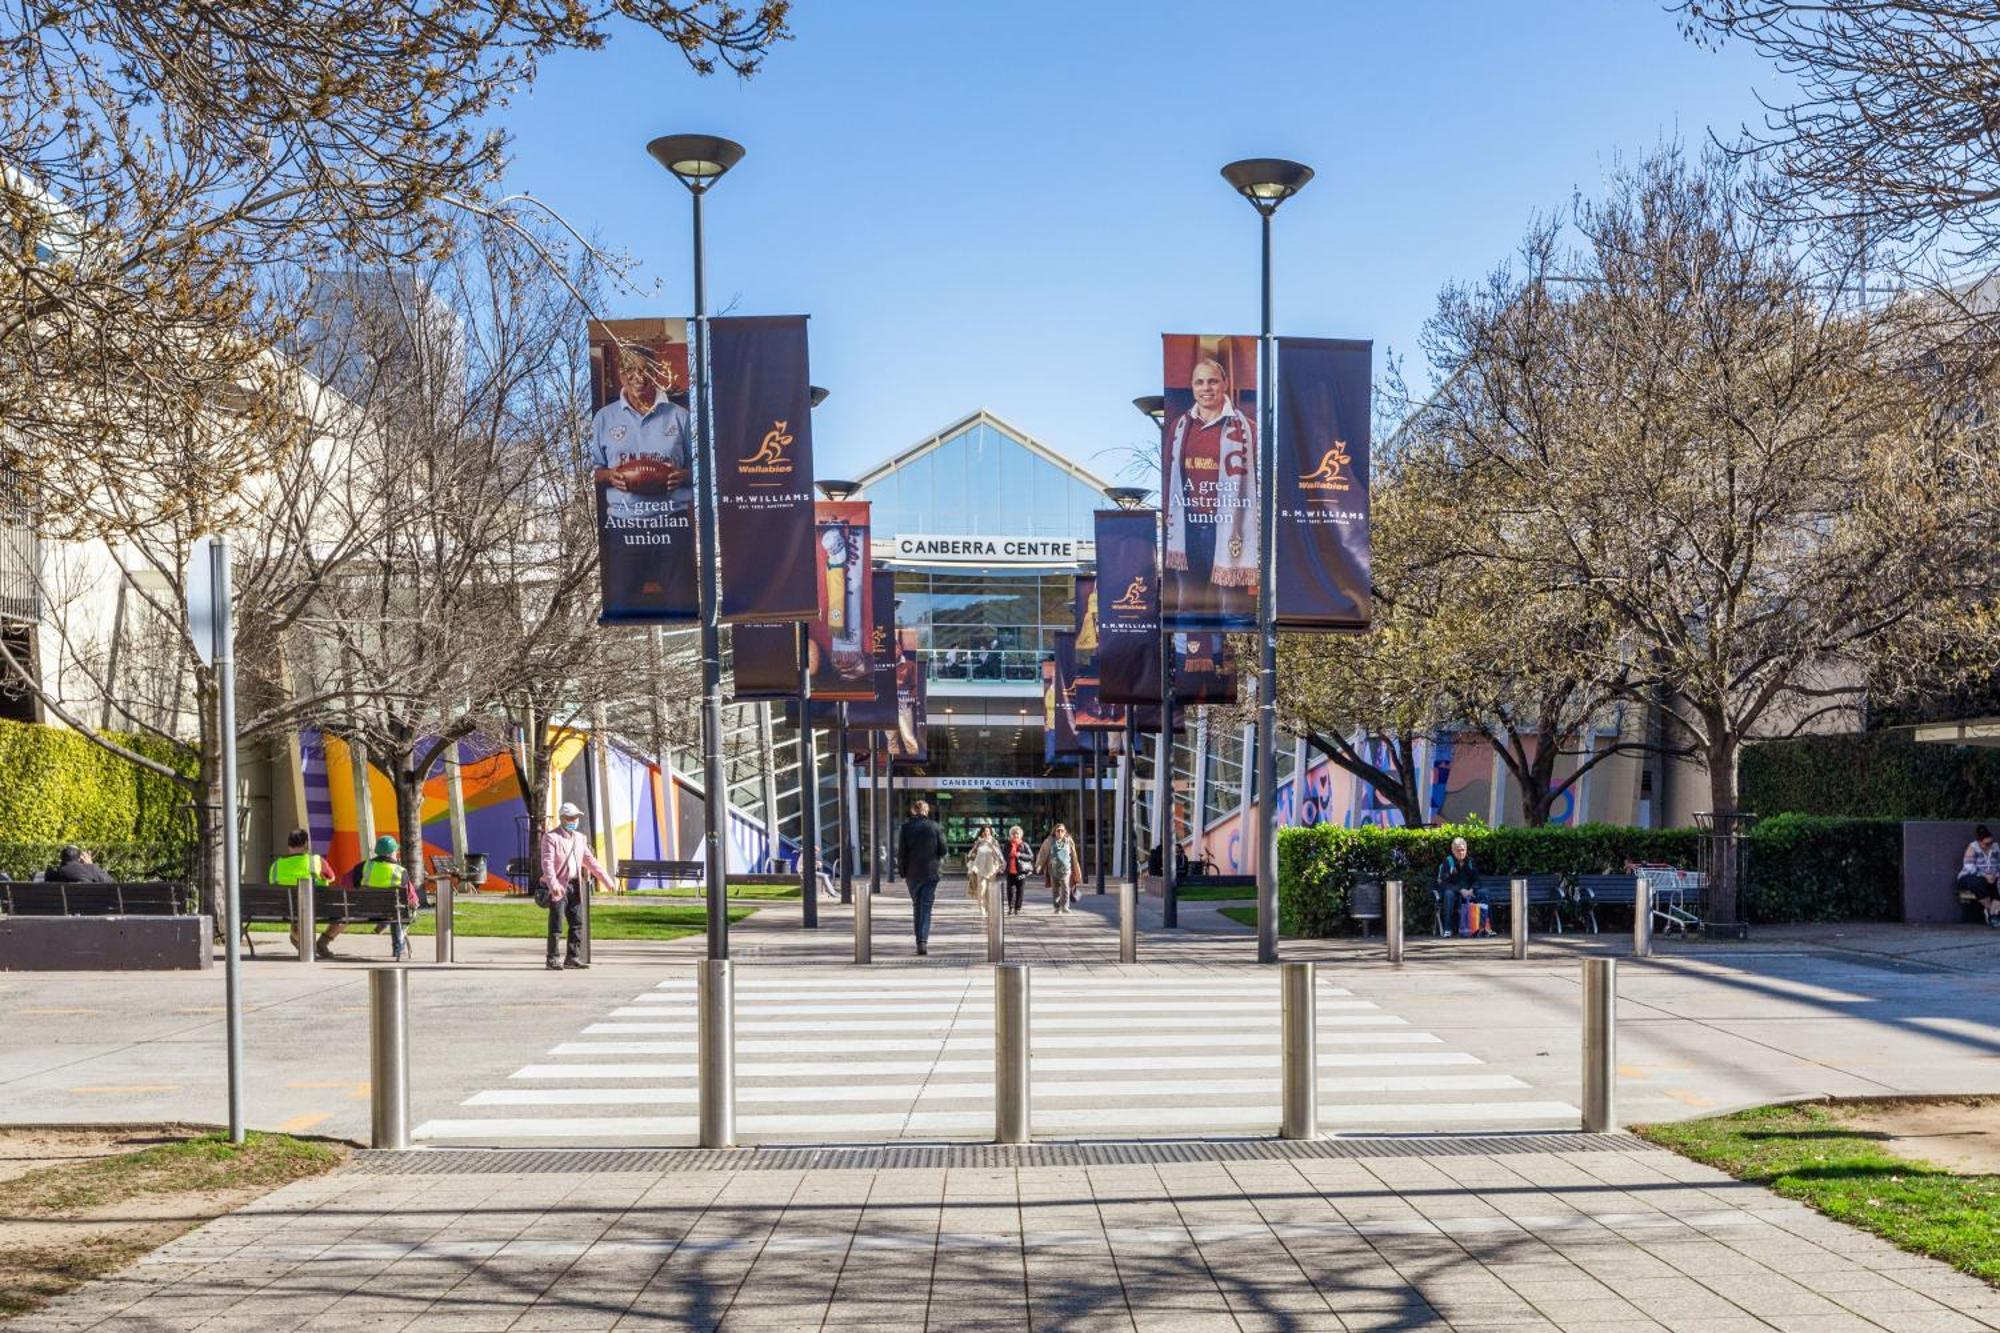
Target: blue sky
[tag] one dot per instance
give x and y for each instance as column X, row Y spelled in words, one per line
column 1002, row 205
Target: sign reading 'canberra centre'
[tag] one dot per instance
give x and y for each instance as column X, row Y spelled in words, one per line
column 1022, row 550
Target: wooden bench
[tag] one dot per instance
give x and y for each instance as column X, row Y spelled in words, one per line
column 148, row 898
column 279, row 903
column 1672, row 891
column 674, row 872
column 1545, row 893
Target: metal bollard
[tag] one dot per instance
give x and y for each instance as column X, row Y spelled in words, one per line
column 716, row 1021
column 1300, row 1046
column 1128, row 922
column 1600, row 1045
column 1642, row 919
column 864, row 925
column 303, row 903
column 1010, row 1053
column 1392, row 918
column 388, row 1058
column 1517, row 904
column 447, row 942
column 996, row 923
column 584, row 887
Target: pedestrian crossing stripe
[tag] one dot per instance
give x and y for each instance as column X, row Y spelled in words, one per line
column 1044, row 1090
column 1042, row 1065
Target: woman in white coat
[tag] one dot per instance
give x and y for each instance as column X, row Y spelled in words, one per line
column 983, row 864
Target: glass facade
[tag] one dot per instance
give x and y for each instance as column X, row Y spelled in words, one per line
column 984, row 626
column 981, row 482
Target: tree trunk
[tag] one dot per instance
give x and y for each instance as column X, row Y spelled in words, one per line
column 1725, row 846
column 206, row 798
column 1535, row 780
column 410, row 817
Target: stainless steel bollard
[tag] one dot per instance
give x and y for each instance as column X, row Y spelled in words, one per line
column 1517, row 924
column 1642, row 919
column 447, row 942
column 302, row 900
column 716, row 1021
column 1010, row 1053
column 388, row 1058
column 1128, row 922
column 584, row 887
column 1300, row 1046
column 1600, row 1045
column 1392, row 918
column 996, row 923
column 864, row 925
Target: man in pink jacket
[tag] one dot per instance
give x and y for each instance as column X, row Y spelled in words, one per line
column 566, row 859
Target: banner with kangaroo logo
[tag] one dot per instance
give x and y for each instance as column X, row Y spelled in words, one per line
column 1128, row 606
column 770, row 567
column 1322, row 446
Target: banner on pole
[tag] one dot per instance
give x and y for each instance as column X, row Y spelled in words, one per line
column 878, row 711
column 909, row 742
column 764, row 660
column 641, row 464
column 1322, row 464
column 1059, row 678
column 1208, row 482
column 1076, row 676
column 1128, row 606
column 1086, row 621
column 842, row 656
column 764, row 471
column 1204, row 669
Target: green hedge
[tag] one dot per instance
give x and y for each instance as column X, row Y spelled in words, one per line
column 56, row 787
column 1800, row 868
column 1884, row 774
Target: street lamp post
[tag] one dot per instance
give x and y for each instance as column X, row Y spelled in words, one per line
column 1267, row 182
column 698, row 161
column 836, row 491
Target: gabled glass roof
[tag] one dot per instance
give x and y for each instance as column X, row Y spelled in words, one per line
column 981, row 477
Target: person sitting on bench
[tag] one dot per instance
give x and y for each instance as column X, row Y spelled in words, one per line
column 300, row 862
column 76, row 867
column 1460, row 901
column 1979, row 875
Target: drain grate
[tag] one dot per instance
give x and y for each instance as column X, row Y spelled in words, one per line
column 970, row 1156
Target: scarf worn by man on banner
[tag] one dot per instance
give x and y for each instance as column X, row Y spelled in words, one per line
column 1236, row 518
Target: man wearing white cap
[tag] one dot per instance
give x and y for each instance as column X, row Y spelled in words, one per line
column 566, row 859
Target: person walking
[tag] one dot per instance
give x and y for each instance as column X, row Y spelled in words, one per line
column 1060, row 866
column 299, row 863
column 566, row 859
column 982, row 870
column 920, row 848
column 1017, row 862
column 384, row 871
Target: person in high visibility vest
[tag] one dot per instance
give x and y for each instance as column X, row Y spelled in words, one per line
column 384, row 871
column 301, row 862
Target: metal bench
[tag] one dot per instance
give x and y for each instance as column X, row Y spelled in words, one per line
column 279, row 904
column 147, row 898
column 674, row 872
column 1546, row 893
column 1672, row 892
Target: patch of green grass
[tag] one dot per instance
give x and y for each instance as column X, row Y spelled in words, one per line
column 1806, row 1153
column 1215, row 893
column 197, row 1165
column 1242, row 916
column 520, row 919
column 770, row 891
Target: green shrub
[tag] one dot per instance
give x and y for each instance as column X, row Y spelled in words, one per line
column 1799, row 868
column 56, row 787
column 1877, row 774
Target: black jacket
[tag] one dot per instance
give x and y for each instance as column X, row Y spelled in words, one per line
column 1460, row 876
column 920, row 847
column 78, row 872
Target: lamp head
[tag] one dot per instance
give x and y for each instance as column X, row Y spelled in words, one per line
column 817, row 394
column 1267, row 181
column 1153, row 405
column 1127, row 497
column 698, row 160
column 838, row 490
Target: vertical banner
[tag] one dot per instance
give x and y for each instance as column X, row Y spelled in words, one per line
column 839, row 640
column 1086, row 621
column 1128, row 607
column 1323, row 441
column 1208, row 482
column 1204, row 669
column 764, row 660
column 641, row 465
column 1062, row 682
column 764, row 468
column 909, row 743
column 878, row 712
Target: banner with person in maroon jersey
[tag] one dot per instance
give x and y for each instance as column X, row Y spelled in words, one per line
column 1208, row 482
column 1322, row 543
column 764, row 470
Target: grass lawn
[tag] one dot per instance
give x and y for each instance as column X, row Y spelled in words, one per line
column 1242, row 916
column 520, row 919
column 774, row 892
column 1806, row 1152
column 1215, row 893
column 69, row 1223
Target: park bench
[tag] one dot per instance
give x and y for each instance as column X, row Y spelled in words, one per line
column 1676, row 894
column 149, row 898
column 279, row 903
column 1545, row 893
column 674, row 872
